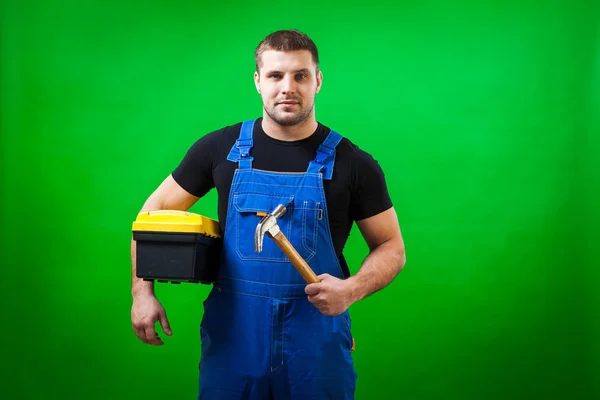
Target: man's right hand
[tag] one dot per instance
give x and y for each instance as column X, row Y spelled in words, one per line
column 145, row 312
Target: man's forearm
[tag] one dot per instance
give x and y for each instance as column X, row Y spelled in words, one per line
column 378, row 269
column 138, row 285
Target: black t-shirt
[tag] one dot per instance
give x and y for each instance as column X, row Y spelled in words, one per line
column 356, row 191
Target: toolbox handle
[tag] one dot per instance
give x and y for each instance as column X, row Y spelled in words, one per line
column 186, row 213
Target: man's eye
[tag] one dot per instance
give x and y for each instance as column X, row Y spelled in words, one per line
column 301, row 76
column 276, row 76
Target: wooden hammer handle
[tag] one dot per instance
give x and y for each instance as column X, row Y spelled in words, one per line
column 297, row 261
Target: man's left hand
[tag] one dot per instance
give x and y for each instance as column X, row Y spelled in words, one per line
column 332, row 296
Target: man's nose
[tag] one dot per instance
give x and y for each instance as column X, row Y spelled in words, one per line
column 288, row 85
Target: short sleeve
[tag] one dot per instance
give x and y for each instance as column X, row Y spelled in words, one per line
column 370, row 195
column 194, row 172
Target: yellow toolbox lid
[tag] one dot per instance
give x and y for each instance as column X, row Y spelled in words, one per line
column 176, row 221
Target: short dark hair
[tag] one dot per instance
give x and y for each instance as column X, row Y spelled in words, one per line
column 287, row 40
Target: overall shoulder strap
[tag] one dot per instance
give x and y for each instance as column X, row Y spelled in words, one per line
column 325, row 158
column 240, row 151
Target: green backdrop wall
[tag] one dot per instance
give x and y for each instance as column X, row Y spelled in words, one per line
column 484, row 117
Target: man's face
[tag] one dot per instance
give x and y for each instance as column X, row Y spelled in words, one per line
column 288, row 83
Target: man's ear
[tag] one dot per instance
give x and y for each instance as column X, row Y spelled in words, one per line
column 257, row 81
column 319, row 80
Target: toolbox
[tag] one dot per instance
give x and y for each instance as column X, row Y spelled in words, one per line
column 176, row 246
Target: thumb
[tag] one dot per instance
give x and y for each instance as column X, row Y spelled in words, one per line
column 164, row 322
column 312, row 289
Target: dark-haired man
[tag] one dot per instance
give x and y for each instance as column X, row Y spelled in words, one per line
column 265, row 333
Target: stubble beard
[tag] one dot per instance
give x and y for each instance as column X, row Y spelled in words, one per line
column 288, row 118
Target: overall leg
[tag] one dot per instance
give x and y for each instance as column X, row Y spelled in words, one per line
column 318, row 356
column 235, row 333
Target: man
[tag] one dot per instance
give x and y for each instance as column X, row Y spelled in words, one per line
column 265, row 333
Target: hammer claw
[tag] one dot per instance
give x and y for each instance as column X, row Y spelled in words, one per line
column 258, row 237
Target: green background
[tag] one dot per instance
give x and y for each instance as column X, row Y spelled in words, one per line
column 484, row 117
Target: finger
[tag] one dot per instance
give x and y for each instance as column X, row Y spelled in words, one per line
column 318, row 300
column 325, row 311
column 141, row 334
column 324, row 277
column 164, row 322
column 313, row 289
column 317, row 303
column 152, row 336
column 323, row 307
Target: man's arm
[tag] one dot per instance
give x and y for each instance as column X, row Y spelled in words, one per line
column 386, row 258
column 332, row 296
column 146, row 310
column 168, row 196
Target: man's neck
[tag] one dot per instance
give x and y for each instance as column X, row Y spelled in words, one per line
column 289, row 133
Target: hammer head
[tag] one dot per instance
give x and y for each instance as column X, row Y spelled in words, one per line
column 268, row 225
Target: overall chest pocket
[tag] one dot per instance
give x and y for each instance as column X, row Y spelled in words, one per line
column 299, row 224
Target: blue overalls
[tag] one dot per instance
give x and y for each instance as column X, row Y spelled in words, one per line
column 261, row 337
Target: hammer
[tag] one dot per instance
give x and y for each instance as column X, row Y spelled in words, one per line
column 268, row 225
